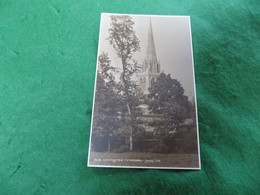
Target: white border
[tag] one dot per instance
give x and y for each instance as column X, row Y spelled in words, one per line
column 93, row 104
column 195, row 97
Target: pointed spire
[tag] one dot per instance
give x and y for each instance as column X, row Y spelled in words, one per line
column 150, row 66
column 150, row 51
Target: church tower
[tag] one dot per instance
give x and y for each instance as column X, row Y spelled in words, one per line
column 150, row 67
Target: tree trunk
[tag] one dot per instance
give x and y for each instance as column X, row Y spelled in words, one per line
column 127, row 104
column 131, row 128
column 108, row 144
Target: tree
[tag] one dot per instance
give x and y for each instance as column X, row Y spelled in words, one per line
column 167, row 98
column 123, row 39
column 107, row 105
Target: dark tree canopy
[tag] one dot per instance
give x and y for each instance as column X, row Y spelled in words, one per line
column 107, row 121
column 167, row 98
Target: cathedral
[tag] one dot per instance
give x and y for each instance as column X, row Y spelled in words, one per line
column 150, row 66
column 149, row 71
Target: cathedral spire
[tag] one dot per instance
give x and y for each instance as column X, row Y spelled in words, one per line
column 150, row 66
column 150, row 50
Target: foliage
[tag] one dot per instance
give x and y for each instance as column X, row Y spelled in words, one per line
column 167, row 98
column 123, row 39
column 107, row 103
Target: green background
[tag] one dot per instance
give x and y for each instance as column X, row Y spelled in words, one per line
column 47, row 69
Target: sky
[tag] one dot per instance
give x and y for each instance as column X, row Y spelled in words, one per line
column 172, row 42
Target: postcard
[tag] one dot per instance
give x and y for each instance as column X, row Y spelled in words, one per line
column 144, row 107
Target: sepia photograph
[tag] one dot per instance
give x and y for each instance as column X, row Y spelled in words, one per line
column 144, row 108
